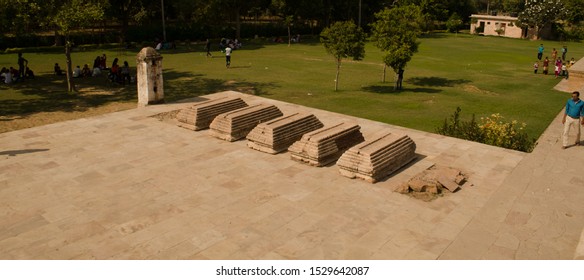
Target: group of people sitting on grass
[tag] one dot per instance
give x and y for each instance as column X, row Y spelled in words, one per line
column 116, row 73
column 119, row 74
column 11, row 75
column 232, row 44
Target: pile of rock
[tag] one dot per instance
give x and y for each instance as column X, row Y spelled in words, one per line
column 277, row 135
column 376, row 159
column 236, row 124
column 200, row 116
column 325, row 145
column 433, row 181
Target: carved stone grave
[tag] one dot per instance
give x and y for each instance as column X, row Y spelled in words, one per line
column 277, row 135
column 376, row 159
column 325, row 145
column 200, row 115
column 234, row 125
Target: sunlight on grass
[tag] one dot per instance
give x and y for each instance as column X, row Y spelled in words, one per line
column 482, row 75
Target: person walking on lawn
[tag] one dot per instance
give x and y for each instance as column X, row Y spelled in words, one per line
column 228, row 57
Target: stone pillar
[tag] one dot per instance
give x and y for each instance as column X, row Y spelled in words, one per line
column 149, row 75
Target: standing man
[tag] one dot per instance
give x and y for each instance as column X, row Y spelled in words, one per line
column 22, row 64
column 227, row 57
column 208, row 48
column 574, row 114
column 540, row 52
column 564, row 51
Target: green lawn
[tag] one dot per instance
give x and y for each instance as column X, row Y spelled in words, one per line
column 482, row 75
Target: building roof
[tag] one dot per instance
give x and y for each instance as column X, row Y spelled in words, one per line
column 507, row 18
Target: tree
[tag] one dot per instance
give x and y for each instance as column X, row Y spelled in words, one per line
column 395, row 32
column 125, row 11
column 575, row 13
column 431, row 10
column 542, row 13
column 75, row 14
column 343, row 39
column 285, row 12
column 454, row 23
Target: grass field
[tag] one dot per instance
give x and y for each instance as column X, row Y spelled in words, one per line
column 482, row 75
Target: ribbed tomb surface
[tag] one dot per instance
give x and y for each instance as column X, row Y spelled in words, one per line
column 375, row 159
column 325, row 145
column 277, row 135
column 234, row 125
column 200, row 115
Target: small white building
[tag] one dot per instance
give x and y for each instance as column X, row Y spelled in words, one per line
column 505, row 26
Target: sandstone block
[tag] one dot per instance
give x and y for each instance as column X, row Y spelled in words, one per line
column 376, row 159
column 275, row 136
column 448, row 183
column 325, row 145
column 236, row 124
column 200, row 115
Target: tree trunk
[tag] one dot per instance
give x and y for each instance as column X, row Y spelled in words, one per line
column 384, row 70
column 58, row 39
column 396, row 87
column 338, row 72
column 125, row 24
column 237, row 25
column 70, row 83
column 289, row 35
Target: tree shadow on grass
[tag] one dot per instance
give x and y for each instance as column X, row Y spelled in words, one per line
column 182, row 85
column 47, row 93
column 434, row 35
column 388, row 89
column 436, row 81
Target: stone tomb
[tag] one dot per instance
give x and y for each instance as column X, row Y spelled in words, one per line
column 234, row 125
column 277, row 135
column 200, row 115
column 325, row 145
column 376, row 159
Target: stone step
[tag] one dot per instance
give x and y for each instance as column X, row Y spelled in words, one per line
column 325, row 145
column 376, row 159
column 277, row 135
column 200, row 115
column 236, row 124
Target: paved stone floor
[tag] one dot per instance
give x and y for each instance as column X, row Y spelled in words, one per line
column 128, row 186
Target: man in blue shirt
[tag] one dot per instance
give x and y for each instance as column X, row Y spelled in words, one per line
column 574, row 115
column 540, row 52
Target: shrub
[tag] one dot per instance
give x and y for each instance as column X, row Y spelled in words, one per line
column 490, row 130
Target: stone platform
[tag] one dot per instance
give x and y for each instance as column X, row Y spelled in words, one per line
column 128, row 186
column 575, row 82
